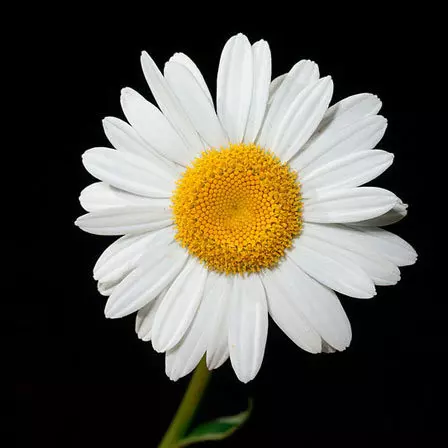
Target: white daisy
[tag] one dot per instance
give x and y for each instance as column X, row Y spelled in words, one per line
column 232, row 215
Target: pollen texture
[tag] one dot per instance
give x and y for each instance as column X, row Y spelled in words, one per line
column 237, row 209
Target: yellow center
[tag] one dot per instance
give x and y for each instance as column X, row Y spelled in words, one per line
column 237, row 209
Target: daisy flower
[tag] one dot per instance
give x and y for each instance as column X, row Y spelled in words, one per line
column 232, row 215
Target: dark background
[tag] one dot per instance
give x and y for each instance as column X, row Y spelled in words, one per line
column 82, row 380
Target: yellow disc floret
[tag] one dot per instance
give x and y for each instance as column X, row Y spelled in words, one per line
column 237, row 209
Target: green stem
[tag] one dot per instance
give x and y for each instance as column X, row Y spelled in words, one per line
column 188, row 406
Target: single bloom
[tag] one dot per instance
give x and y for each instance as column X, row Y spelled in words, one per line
column 251, row 210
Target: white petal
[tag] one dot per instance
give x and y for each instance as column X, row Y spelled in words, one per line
column 196, row 103
column 301, row 118
column 348, row 111
column 379, row 270
column 128, row 172
column 329, row 266
column 185, row 356
column 234, row 86
column 284, row 308
column 275, row 84
column 347, row 204
column 170, row 106
column 333, row 144
column 145, row 317
column 301, row 75
column 219, row 289
column 355, row 246
column 248, row 326
column 352, row 170
column 391, row 246
column 123, row 220
column 318, row 305
column 125, row 138
column 260, row 92
column 397, row 213
column 288, row 86
column 107, row 288
column 157, row 269
column 101, row 196
column 121, row 257
column 183, row 59
column 154, row 127
column 179, row 306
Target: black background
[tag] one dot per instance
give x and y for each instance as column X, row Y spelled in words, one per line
column 82, row 380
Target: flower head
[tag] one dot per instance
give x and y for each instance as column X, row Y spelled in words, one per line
column 255, row 209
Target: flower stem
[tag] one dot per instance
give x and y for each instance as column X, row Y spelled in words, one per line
column 188, row 406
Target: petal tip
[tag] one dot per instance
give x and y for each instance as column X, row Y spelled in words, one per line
column 172, row 377
column 262, row 43
column 126, row 92
column 244, row 379
column 145, row 59
column 113, row 314
column 413, row 258
column 111, row 311
column 157, row 346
